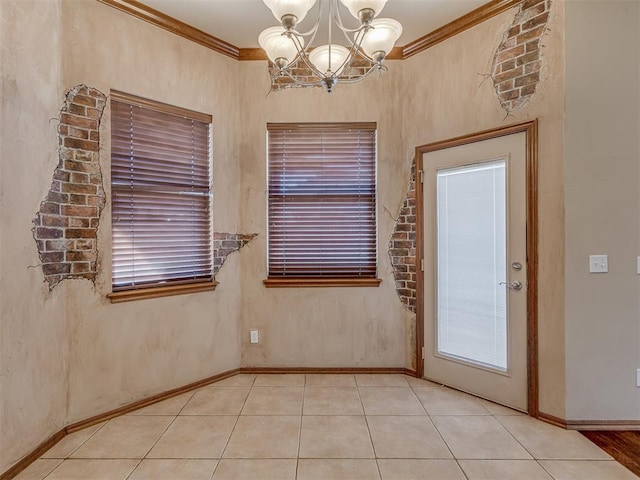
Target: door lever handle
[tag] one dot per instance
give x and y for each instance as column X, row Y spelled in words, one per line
column 513, row 286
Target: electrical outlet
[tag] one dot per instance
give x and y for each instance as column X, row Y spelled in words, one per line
column 638, row 378
column 598, row 263
column 255, row 336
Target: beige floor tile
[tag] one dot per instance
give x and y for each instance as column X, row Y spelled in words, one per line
column 337, row 470
column 332, row 401
column 504, row 470
column 330, row 380
column 265, row 469
column 71, row 442
column 264, row 437
column 171, row 406
column 496, row 409
column 390, row 401
column 478, row 437
column 240, row 380
column 410, row 469
column 381, row 380
column 194, row 437
column 335, row 437
column 274, row 401
column 174, row 469
column 91, row 469
column 124, row 437
column 38, row 469
column 217, row 401
column 549, row 442
column 280, row 380
column 445, row 401
column 420, row 382
column 587, row 470
column 406, row 437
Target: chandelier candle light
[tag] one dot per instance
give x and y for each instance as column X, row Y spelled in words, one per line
column 368, row 44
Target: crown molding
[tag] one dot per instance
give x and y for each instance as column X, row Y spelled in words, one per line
column 471, row 19
column 173, row 25
column 251, row 54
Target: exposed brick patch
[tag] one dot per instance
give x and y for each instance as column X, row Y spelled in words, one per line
column 66, row 226
column 517, row 62
column 402, row 247
column 302, row 73
column 226, row 243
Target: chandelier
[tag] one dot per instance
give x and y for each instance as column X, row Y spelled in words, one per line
column 291, row 52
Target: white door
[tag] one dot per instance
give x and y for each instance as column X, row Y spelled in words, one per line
column 475, row 291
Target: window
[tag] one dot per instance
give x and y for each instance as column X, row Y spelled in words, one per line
column 322, row 204
column 161, row 199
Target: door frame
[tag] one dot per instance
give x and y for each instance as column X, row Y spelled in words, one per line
column 531, row 168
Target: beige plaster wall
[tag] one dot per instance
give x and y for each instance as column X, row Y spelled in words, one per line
column 124, row 352
column 33, row 337
column 322, row 327
column 447, row 94
column 602, row 202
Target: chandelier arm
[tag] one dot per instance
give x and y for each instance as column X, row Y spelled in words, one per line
column 373, row 68
column 300, row 83
column 357, row 43
column 349, row 60
column 338, row 19
column 364, row 56
column 314, row 29
column 302, row 55
column 357, row 32
column 355, row 51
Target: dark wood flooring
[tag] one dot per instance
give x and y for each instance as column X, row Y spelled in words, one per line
column 624, row 446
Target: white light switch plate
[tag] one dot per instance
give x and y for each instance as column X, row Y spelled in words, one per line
column 638, row 378
column 255, row 337
column 598, row 264
column 638, row 266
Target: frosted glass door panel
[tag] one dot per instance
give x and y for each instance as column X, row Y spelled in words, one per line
column 471, row 262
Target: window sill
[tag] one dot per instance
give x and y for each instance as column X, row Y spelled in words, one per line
column 157, row 292
column 321, row 282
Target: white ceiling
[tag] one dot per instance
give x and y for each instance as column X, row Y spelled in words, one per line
column 239, row 22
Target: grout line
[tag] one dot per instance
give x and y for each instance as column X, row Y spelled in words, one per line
column 213, row 472
column 85, row 441
column 234, row 425
column 161, row 435
column 193, row 394
column 304, row 393
column 496, row 418
column 366, row 422
column 134, row 469
column 54, row 468
column 543, row 468
column 447, row 445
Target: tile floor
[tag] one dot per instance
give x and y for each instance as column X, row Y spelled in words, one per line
column 325, row 427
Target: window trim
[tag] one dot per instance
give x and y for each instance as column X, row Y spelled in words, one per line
column 303, row 282
column 177, row 287
column 280, row 282
column 157, row 292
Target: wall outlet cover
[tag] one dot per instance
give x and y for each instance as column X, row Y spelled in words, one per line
column 255, row 336
column 598, row 264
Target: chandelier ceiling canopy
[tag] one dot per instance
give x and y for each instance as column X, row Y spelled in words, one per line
column 290, row 51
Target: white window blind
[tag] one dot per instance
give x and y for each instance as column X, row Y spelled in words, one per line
column 161, row 194
column 322, row 200
column 472, row 261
